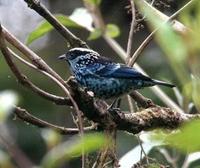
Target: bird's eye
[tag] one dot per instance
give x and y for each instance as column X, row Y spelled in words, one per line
column 70, row 56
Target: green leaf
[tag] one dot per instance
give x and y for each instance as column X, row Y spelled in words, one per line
column 191, row 17
column 196, row 91
column 95, row 2
column 112, row 30
column 73, row 148
column 96, row 33
column 187, row 139
column 45, row 27
column 171, row 43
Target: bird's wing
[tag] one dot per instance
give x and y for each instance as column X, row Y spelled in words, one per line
column 96, row 67
column 105, row 67
column 120, row 71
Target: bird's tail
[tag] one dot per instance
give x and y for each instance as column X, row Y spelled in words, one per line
column 158, row 82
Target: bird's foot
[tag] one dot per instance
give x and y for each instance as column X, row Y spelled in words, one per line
column 116, row 113
column 114, row 109
column 112, row 106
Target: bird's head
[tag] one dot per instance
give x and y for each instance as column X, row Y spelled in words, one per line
column 74, row 53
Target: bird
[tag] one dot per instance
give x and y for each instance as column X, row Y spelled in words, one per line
column 105, row 78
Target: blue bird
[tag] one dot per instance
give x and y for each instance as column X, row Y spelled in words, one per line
column 105, row 78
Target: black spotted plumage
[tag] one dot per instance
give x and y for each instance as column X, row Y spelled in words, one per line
column 105, row 78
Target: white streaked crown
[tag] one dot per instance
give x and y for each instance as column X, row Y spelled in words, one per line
column 83, row 49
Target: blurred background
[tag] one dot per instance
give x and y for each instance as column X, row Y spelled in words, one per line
column 21, row 20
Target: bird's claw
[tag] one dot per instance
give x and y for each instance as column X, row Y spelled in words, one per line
column 116, row 113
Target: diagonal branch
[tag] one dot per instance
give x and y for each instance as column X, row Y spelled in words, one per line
column 131, row 32
column 26, row 82
column 175, row 24
column 43, row 11
column 27, row 117
column 52, row 75
column 33, row 57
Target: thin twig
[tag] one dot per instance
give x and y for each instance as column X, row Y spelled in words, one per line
column 136, row 54
column 46, row 70
column 26, row 82
column 41, row 64
column 33, row 57
column 27, row 117
column 44, row 12
column 14, row 151
column 150, row 36
column 171, row 160
column 186, row 162
column 141, row 100
column 142, row 150
column 129, row 46
column 131, row 32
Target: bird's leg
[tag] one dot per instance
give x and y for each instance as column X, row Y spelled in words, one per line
column 116, row 114
column 112, row 106
column 114, row 109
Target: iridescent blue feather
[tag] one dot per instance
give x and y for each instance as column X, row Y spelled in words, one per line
column 104, row 77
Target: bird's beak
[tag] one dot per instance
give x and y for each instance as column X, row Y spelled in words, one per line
column 62, row 57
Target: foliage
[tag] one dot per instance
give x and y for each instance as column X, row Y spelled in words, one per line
column 44, row 27
column 80, row 18
column 73, row 148
column 182, row 52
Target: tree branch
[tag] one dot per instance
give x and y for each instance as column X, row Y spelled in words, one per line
column 44, row 12
column 27, row 117
column 34, row 58
column 26, row 82
column 131, row 32
column 175, row 24
column 141, row 100
column 46, row 71
column 145, row 119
